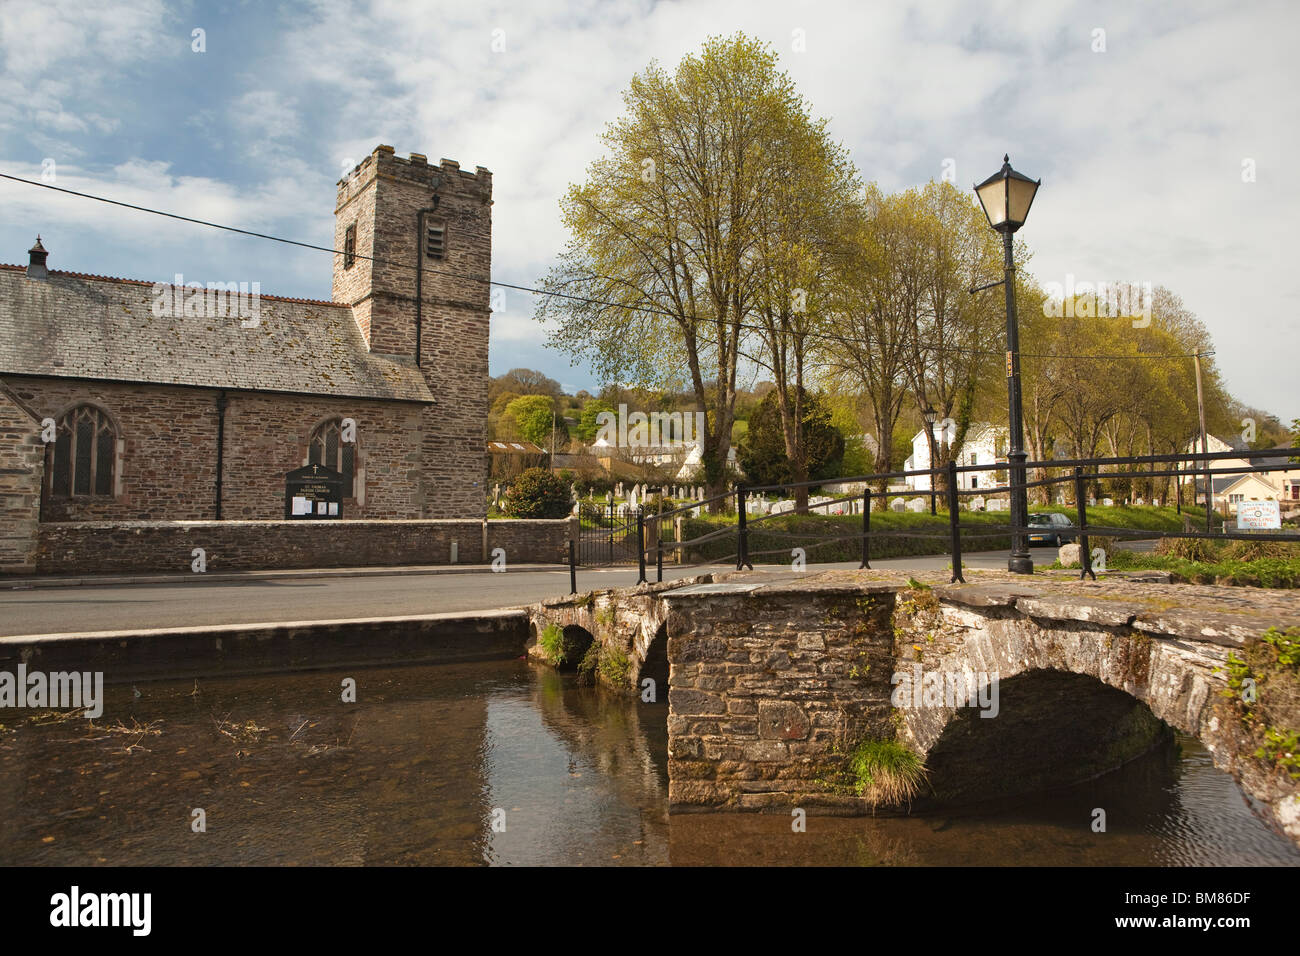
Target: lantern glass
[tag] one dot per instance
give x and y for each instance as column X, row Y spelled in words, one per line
column 1006, row 197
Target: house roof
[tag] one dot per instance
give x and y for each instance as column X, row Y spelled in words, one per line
column 71, row 325
column 1222, row 483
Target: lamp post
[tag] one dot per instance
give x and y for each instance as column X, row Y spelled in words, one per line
column 929, row 414
column 1006, row 197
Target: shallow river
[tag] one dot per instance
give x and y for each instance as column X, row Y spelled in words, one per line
column 505, row 763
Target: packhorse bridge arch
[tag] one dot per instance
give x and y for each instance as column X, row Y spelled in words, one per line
column 777, row 680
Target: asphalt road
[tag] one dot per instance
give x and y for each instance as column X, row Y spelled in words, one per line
column 63, row 610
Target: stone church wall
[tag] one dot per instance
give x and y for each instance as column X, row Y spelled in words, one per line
column 22, row 457
column 168, row 450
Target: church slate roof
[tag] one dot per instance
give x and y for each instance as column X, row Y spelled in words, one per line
column 71, row 325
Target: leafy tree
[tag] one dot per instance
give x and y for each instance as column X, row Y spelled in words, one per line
column 666, row 227
column 588, row 425
column 523, row 381
column 763, row 456
column 532, row 418
column 797, row 250
column 537, row 493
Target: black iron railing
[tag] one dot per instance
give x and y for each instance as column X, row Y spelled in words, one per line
column 648, row 526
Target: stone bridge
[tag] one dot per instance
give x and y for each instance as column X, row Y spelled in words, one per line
column 814, row 691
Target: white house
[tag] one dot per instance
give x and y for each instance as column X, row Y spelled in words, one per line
column 1246, row 484
column 985, row 445
column 693, row 467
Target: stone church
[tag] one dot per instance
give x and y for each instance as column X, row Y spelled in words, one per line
column 112, row 409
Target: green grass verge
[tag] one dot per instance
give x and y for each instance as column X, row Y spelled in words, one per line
column 1232, row 564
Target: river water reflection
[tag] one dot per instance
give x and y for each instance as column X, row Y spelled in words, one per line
column 417, row 770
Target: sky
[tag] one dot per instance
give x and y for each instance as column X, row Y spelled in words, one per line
column 1162, row 132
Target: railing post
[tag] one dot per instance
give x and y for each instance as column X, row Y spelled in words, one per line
column 659, row 547
column 742, row 536
column 640, row 545
column 1085, row 555
column 954, row 522
column 611, row 532
column 573, row 569
column 866, row 527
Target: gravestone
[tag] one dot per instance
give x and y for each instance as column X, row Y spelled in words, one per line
column 997, row 504
column 1108, row 502
column 898, row 505
column 977, row 503
column 916, row 505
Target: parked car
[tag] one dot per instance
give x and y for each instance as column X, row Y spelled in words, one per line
column 1050, row 528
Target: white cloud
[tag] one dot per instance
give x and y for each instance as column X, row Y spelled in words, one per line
column 1139, row 147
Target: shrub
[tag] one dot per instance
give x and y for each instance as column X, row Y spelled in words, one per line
column 551, row 641
column 1270, row 711
column 886, row 771
column 537, row 493
column 587, row 666
column 611, row 663
column 1263, row 548
column 1104, row 542
column 1189, row 549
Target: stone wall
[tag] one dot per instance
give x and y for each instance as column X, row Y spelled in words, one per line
column 768, row 693
column 167, row 546
column 22, row 468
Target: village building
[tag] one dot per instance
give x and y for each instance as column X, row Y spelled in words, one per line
column 984, row 445
column 1234, row 487
column 124, row 400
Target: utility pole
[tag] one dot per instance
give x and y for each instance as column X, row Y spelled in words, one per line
column 553, row 439
column 1200, row 408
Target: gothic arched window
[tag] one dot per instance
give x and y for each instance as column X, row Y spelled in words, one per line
column 328, row 448
column 85, row 453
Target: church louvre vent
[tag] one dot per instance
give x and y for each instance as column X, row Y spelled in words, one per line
column 435, row 242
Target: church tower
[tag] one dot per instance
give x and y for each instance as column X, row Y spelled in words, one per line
column 416, row 255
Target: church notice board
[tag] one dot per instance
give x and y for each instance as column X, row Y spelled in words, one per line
column 313, row 491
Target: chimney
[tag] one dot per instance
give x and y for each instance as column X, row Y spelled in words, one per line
column 36, row 266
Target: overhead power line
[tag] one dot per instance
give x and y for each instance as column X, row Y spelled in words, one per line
column 560, row 295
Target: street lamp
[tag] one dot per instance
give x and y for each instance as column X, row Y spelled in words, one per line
column 1006, row 197
column 929, row 414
